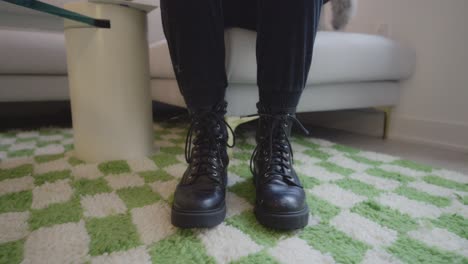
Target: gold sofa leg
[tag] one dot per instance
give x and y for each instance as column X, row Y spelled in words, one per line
column 387, row 111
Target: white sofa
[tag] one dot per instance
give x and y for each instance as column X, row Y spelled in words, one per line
column 349, row 70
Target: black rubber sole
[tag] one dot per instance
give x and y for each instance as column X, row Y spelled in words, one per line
column 289, row 221
column 203, row 219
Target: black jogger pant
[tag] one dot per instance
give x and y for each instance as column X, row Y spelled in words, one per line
column 286, row 32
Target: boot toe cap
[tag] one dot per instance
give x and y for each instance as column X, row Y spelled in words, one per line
column 198, row 199
column 282, row 199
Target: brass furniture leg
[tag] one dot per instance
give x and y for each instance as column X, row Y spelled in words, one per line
column 387, row 111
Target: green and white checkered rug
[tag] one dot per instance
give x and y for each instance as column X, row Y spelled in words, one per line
column 365, row 207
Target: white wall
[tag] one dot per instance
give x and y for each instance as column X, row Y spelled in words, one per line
column 434, row 103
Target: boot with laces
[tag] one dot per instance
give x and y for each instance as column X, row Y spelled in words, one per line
column 280, row 197
column 199, row 199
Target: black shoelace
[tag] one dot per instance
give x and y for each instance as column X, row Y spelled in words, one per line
column 205, row 153
column 278, row 148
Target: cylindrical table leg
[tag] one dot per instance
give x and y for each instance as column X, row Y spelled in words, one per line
column 108, row 71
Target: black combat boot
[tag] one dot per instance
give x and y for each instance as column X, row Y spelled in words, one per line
column 199, row 199
column 280, row 201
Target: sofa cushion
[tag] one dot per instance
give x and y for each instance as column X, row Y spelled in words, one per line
column 32, row 52
column 338, row 57
column 335, row 57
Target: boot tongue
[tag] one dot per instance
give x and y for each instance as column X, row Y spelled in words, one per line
column 278, row 157
column 276, row 172
column 209, row 134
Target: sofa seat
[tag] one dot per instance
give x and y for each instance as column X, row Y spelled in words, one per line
column 29, row 52
column 338, row 58
column 349, row 70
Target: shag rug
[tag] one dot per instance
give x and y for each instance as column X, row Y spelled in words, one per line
column 365, row 207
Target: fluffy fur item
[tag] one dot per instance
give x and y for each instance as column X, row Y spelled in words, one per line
column 341, row 13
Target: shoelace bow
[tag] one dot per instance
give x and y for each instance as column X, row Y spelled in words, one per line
column 200, row 124
column 278, row 160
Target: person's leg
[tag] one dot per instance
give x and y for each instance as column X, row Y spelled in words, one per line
column 240, row 14
column 195, row 34
column 285, row 40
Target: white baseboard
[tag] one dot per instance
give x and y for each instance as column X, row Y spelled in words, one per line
column 448, row 135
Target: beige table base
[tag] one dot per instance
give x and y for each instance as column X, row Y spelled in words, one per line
column 108, row 71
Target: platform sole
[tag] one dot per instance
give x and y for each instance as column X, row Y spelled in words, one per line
column 283, row 221
column 201, row 219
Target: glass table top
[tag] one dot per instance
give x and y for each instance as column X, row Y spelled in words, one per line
column 38, row 14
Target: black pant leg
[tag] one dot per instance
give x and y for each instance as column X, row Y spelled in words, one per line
column 285, row 41
column 240, row 14
column 195, row 34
